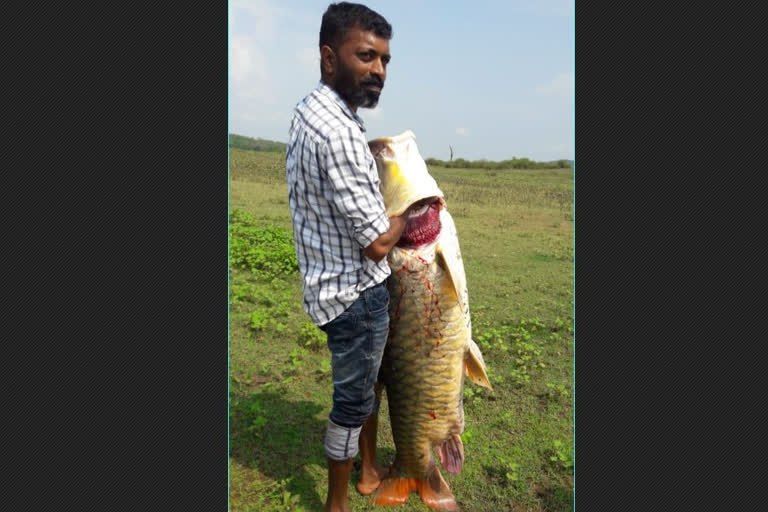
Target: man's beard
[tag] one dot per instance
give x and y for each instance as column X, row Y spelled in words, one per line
column 357, row 95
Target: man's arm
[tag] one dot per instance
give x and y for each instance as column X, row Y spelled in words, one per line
column 356, row 197
column 382, row 245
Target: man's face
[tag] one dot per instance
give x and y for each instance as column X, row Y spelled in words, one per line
column 361, row 68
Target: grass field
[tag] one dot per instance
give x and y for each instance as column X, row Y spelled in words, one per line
column 516, row 235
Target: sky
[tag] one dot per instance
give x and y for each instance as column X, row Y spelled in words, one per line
column 492, row 79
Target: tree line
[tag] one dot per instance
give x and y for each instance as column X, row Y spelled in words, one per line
column 243, row 142
column 249, row 143
column 514, row 163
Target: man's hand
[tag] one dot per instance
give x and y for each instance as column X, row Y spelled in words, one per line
column 382, row 245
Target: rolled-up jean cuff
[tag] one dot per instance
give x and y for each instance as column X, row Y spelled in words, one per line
column 341, row 443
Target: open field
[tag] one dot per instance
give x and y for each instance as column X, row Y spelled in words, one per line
column 516, row 234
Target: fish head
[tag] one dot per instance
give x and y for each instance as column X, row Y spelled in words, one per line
column 403, row 175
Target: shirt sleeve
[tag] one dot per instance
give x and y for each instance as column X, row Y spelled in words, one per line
column 355, row 189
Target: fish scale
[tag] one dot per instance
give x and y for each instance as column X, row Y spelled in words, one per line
column 422, row 365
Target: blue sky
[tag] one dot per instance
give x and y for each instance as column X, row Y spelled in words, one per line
column 493, row 79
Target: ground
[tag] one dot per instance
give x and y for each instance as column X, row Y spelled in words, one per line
column 516, row 235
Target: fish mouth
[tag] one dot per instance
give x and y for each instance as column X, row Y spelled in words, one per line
column 418, row 211
column 420, row 207
column 422, row 225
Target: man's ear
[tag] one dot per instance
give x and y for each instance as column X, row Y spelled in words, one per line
column 328, row 60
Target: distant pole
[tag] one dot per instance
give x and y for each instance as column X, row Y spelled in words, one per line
column 451, row 152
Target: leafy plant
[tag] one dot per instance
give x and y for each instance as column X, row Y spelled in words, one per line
column 241, row 292
column 258, row 320
column 495, row 378
column 557, row 389
column 561, row 456
column 532, row 324
column 311, row 336
column 284, row 500
column 559, row 325
column 265, row 251
column 512, row 475
column 296, row 358
column 468, row 434
column 325, row 366
column 256, row 416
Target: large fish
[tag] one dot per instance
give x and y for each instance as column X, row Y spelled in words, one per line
column 430, row 347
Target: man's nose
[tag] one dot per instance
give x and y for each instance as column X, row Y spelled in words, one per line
column 378, row 68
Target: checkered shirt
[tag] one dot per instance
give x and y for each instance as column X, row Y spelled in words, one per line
column 336, row 206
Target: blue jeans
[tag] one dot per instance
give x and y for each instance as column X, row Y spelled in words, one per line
column 356, row 340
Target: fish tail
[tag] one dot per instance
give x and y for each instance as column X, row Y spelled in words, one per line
column 433, row 491
column 394, row 490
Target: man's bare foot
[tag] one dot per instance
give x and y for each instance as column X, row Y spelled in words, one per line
column 370, row 478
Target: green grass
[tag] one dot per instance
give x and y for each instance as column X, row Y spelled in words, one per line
column 516, row 234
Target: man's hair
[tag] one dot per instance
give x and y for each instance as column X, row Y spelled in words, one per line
column 342, row 16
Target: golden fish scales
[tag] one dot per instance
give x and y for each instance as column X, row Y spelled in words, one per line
column 423, row 362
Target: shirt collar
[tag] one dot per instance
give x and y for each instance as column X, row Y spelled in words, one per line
column 328, row 91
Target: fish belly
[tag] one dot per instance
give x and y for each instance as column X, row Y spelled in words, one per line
column 423, row 362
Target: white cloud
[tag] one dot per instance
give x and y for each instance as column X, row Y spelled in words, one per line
column 248, row 69
column 462, row 131
column 259, row 44
column 253, row 24
column 240, row 63
column 261, row 17
column 561, row 85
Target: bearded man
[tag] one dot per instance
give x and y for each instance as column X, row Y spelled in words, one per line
column 342, row 233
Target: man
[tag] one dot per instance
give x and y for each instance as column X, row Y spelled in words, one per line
column 342, row 233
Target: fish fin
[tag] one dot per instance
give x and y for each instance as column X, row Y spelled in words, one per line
column 456, row 278
column 451, row 452
column 435, row 493
column 474, row 366
column 394, row 489
column 448, row 258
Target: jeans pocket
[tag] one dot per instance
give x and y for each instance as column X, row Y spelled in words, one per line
column 344, row 324
column 378, row 300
